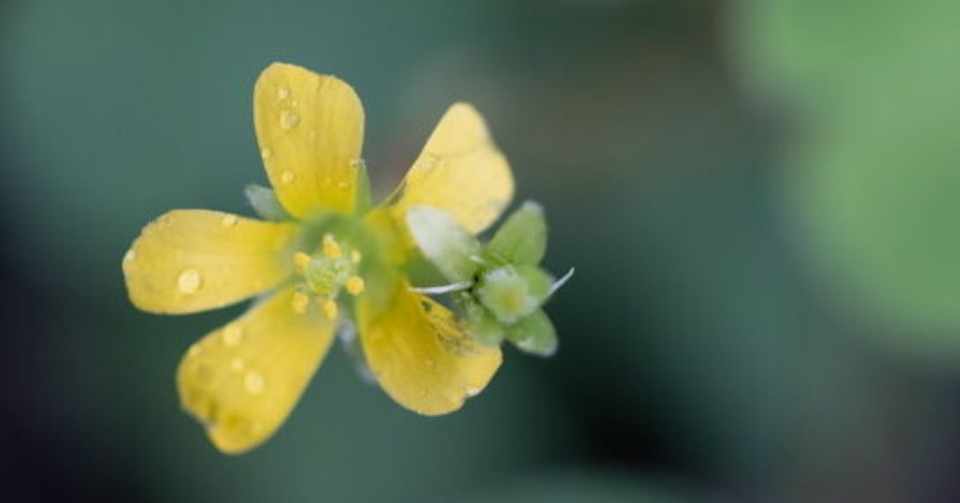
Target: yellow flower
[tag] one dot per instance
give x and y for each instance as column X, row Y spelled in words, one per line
column 242, row 380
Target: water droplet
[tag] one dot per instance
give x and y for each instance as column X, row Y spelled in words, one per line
column 472, row 391
column 237, row 364
column 232, row 335
column 194, row 351
column 189, row 281
column 253, row 382
column 265, row 153
column 130, row 256
column 229, row 220
column 287, row 176
column 283, row 92
column 289, row 119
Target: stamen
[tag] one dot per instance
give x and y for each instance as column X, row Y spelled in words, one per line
column 355, row 285
column 330, row 309
column 331, row 249
column 301, row 260
column 300, row 302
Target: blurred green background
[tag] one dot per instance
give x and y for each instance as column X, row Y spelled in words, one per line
column 759, row 198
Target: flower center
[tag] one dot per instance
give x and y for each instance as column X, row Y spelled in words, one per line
column 332, row 268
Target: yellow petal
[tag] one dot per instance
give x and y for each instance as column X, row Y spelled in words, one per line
column 243, row 380
column 459, row 171
column 420, row 356
column 310, row 131
column 192, row 260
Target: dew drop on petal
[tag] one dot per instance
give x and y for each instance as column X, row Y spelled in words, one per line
column 229, row 220
column 265, row 153
column 283, row 92
column 193, row 351
column 253, row 382
column 287, row 176
column 472, row 391
column 289, row 119
column 232, row 335
column 189, row 281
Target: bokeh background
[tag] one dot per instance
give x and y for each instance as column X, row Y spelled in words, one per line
column 760, row 198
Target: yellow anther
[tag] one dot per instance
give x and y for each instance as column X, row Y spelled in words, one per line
column 301, row 260
column 331, row 248
column 300, row 302
column 356, row 256
column 355, row 285
column 330, row 309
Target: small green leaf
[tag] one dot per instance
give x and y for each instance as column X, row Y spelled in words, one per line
column 444, row 243
column 534, row 334
column 362, row 198
column 522, row 239
column 265, row 203
column 512, row 292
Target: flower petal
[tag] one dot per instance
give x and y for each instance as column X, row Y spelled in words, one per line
column 310, row 131
column 243, row 379
column 420, row 356
column 192, row 260
column 459, row 171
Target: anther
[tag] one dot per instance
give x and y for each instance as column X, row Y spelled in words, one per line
column 355, row 285
column 301, row 260
column 330, row 309
column 331, row 249
column 300, row 302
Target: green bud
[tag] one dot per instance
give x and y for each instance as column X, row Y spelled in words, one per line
column 534, row 334
column 512, row 292
column 522, row 239
column 480, row 324
column 265, row 203
column 446, row 245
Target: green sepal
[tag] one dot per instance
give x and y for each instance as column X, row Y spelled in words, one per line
column 449, row 247
column 513, row 292
column 522, row 239
column 479, row 323
column 363, row 200
column 265, row 203
column 534, row 334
